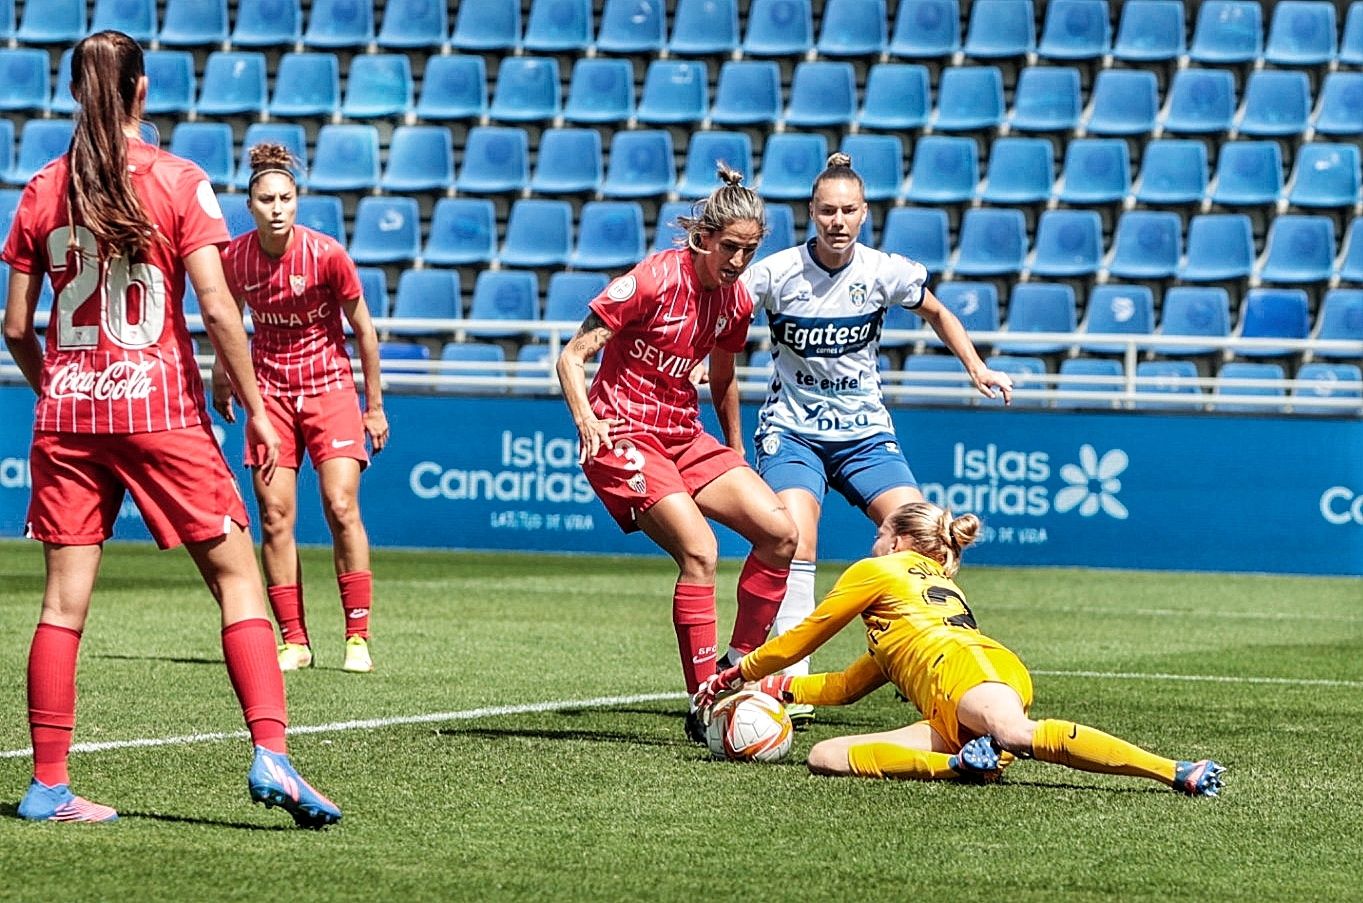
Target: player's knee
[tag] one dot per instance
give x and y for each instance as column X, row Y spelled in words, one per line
column 828, row 757
column 781, row 544
column 1014, row 735
column 341, row 509
column 699, row 562
column 276, row 516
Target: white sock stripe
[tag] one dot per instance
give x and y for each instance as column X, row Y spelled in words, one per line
column 804, row 567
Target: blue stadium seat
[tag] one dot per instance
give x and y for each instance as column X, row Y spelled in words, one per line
column 345, row 158
column 208, row 144
column 632, row 26
column 1000, row 29
column 23, row 79
column 378, row 86
column 778, row 28
column 1320, row 380
column 558, row 26
column 918, row 233
column 969, row 98
column 495, row 160
column 1341, row 320
column 1302, row 33
column 235, row 215
column 1068, row 243
column 703, row 151
column 233, row 82
column 1039, row 307
column 704, row 28
column 1225, row 389
column 822, row 94
column 748, row 93
column 387, row 230
column 569, row 294
column 1201, row 102
column 897, row 97
column 425, row 295
column 268, row 23
column 600, row 90
column 1273, row 313
column 9, row 197
column 1227, row 31
column 790, row 163
column 1047, row 99
column 1299, row 249
column 463, row 231
column 536, row 363
column 171, row 85
column 1351, row 42
column 52, row 22
column 1325, row 175
column 194, row 23
column 404, row 357
column 640, row 164
column 975, row 304
column 1098, row 374
column 946, row 170
column 503, row 295
column 527, row 90
column 879, row 160
column 610, row 236
column 539, row 233
column 40, row 142
column 1175, row 379
column 374, row 289
column 306, row 84
column 852, row 28
column 487, row 25
column 1020, row 171
column 1147, row 244
column 927, row 29
column 322, row 213
column 1350, row 265
column 1220, row 246
column 1190, row 310
column 993, row 242
column 479, row 360
column 1116, row 310
column 569, row 162
column 938, row 371
column 1151, row 31
column 135, row 18
column 1173, row 171
column 340, row 23
column 288, row 134
column 1277, row 103
column 668, row 231
column 409, row 24
column 420, row 158
column 63, row 104
column 780, row 235
column 1075, row 30
column 1096, row 171
column 1124, row 102
column 1340, row 108
column 675, row 92
column 453, row 87
column 1248, row 174
column 899, row 318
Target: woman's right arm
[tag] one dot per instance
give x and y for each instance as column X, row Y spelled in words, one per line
column 20, row 337
column 591, row 337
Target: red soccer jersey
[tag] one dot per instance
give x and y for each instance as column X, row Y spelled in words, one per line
column 118, row 356
column 299, row 343
column 664, row 324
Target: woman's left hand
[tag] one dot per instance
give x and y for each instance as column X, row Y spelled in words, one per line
column 376, row 425
column 991, row 383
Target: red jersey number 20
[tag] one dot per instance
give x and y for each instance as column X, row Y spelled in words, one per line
column 131, row 297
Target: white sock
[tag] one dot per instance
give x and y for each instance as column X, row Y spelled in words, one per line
column 796, row 606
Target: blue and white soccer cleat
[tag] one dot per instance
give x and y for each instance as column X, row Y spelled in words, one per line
column 1201, row 778
column 977, row 759
column 275, row 782
column 58, row 803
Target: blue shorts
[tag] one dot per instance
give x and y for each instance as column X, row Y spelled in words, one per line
column 860, row 469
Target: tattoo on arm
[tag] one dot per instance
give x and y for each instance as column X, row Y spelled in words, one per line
column 591, row 336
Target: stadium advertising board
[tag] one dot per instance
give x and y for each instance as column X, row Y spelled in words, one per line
column 1094, row 489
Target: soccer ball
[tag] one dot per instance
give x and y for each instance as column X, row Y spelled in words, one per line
column 749, row 726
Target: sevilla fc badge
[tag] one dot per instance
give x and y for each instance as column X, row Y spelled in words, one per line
column 298, row 283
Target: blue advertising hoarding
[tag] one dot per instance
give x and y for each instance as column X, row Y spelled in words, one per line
column 1128, row 490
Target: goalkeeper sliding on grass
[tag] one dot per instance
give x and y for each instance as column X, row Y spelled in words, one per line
column 921, row 636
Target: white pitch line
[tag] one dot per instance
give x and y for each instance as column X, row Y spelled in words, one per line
column 1208, row 678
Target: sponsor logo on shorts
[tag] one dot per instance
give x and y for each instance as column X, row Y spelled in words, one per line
column 892, row 447
column 720, row 325
column 771, row 443
column 638, row 483
column 116, row 382
column 342, row 443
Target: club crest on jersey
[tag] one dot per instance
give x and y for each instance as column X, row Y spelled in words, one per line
column 621, row 289
column 771, row 443
column 858, row 292
column 298, row 283
column 638, row 483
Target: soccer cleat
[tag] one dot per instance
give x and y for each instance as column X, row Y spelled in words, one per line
column 695, row 727
column 1201, row 778
column 274, row 781
column 801, row 714
column 293, row 656
column 58, row 803
column 977, row 759
column 357, row 657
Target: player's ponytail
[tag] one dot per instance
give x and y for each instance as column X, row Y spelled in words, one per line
column 730, row 203
column 266, row 158
column 838, row 166
column 106, row 68
column 935, row 533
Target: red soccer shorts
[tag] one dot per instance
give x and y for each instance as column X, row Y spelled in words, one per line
column 328, row 425
column 642, row 468
column 178, row 479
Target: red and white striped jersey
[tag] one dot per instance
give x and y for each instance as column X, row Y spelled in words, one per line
column 295, row 300
column 664, row 324
column 118, row 357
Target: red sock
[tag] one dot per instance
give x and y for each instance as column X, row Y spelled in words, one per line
column 287, row 603
column 52, row 700
column 357, row 596
column 693, row 614
column 760, row 591
column 248, row 647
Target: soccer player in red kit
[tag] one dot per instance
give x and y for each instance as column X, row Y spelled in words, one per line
column 643, row 449
column 117, row 224
column 298, row 284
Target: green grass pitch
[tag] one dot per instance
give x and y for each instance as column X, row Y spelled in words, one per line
column 608, row 802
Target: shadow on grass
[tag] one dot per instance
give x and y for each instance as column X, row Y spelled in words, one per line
column 208, row 822
column 174, row 659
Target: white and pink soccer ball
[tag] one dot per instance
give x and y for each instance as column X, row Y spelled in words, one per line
column 749, row 726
